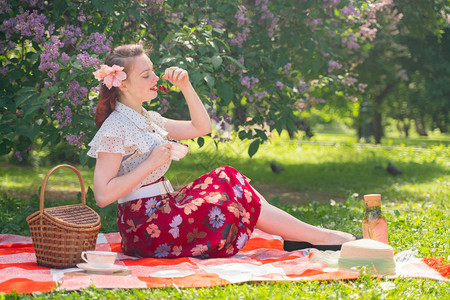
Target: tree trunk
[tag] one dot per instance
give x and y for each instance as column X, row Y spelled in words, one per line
column 420, row 127
column 443, row 127
column 406, row 127
column 377, row 115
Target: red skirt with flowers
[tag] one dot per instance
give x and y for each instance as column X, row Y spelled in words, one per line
column 213, row 216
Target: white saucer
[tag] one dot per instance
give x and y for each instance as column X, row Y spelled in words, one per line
column 91, row 269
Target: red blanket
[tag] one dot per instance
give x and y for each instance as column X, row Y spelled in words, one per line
column 262, row 259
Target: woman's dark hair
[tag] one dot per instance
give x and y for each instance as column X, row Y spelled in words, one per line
column 119, row 56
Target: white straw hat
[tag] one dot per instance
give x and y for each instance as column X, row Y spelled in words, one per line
column 378, row 257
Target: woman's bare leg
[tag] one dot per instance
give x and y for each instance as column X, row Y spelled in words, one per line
column 276, row 221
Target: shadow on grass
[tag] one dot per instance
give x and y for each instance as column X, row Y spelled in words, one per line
column 326, row 180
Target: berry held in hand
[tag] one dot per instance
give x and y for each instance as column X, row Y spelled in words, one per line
column 163, row 88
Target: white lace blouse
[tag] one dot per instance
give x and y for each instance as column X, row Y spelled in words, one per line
column 133, row 135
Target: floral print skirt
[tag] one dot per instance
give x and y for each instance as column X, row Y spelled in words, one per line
column 213, row 216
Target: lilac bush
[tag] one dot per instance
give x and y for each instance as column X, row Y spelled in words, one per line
column 255, row 64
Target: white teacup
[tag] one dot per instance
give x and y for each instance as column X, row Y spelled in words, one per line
column 99, row 259
column 178, row 151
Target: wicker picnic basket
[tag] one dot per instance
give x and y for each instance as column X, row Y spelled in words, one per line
column 61, row 233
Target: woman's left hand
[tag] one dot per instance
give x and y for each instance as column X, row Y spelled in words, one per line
column 177, row 76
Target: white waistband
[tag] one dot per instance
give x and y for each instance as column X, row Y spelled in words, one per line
column 156, row 189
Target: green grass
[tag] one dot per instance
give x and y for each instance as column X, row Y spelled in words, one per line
column 415, row 203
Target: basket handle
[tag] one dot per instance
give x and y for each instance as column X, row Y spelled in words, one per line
column 44, row 184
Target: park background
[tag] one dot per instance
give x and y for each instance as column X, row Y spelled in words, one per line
column 330, row 91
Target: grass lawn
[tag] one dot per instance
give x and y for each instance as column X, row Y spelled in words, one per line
column 322, row 183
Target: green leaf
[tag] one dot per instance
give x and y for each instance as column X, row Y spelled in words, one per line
column 108, row 6
column 235, row 61
column 216, row 61
column 25, row 98
column 195, row 77
column 397, row 213
column 33, row 132
column 5, row 148
column 135, row 13
column 261, row 134
column 203, row 49
column 253, row 148
column 5, row 128
column 225, row 92
column 97, row 3
column 166, row 60
column 15, row 74
column 30, row 109
column 209, row 80
column 200, row 142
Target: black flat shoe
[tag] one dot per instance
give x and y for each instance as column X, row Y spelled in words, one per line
column 293, row 245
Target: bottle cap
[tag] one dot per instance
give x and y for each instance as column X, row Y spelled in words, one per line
column 372, row 200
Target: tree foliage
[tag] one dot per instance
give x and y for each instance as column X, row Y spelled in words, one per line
column 257, row 65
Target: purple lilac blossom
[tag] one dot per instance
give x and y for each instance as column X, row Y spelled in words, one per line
column 240, row 38
column 65, row 58
column 350, row 42
column 333, row 3
column 287, row 68
column 97, row 42
column 265, row 16
column 75, row 140
column 75, row 93
column 18, row 156
column 349, row 11
column 34, row 3
column 4, row 71
column 59, row 116
column 50, row 53
column 273, row 27
column 367, row 32
column 313, row 23
column 333, row 65
column 212, row 95
column 87, row 60
column 215, row 23
column 4, row 7
column 303, row 86
column 241, row 18
column 349, row 81
column 227, row 119
column 231, row 68
column 249, row 82
column 164, row 106
column 259, row 96
column 71, row 35
column 362, row 87
column 28, row 25
column 213, row 114
column 280, row 85
column 82, row 18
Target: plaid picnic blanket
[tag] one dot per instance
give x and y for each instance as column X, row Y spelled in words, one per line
column 262, row 259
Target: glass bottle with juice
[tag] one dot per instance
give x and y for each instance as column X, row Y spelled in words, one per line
column 374, row 223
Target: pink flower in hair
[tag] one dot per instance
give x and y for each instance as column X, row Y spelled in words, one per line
column 111, row 76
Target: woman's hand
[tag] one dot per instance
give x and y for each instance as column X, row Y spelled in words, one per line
column 177, row 76
column 160, row 155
